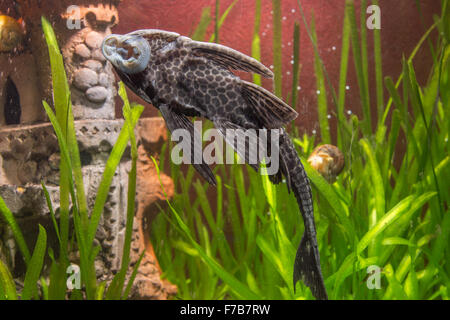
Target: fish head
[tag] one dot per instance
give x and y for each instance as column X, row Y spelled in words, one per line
column 129, row 53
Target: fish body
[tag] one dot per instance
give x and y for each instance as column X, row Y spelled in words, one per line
column 184, row 78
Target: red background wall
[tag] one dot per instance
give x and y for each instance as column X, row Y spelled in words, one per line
column 402, row 27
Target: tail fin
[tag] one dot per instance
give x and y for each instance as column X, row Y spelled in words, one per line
column 307, row 261
column 307, row 270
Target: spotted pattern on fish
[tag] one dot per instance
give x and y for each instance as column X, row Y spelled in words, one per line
column 184, row 78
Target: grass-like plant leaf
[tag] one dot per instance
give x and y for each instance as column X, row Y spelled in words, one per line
column 220, row 20
column 277, row 53
column 322, row 105
column 110, row 168
column 18, row 235
column 34, row 270
column 7, row 286
column 117, row 285
column 256, row 41
column 205, row 20
column 239, row 288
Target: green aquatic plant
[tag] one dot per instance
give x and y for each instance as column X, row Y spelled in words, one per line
column 277, row 52
column 388, row 211
column 72, row 191
column 205, row 20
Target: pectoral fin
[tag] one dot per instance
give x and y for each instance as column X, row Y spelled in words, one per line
column 178, row 121
column 244, row 149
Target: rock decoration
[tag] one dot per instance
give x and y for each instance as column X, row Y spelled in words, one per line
column 29, row 154
column 17, row 72
column 29, row 151
column 80, row 27
column 11, row 34
column 92, row 79
column 151, row 134
column 90, row 68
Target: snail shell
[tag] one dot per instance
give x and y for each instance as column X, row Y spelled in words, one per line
column 328, row 160
column 11, row 33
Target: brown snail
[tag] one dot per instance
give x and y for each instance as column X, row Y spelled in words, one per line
column 11, row 33
column 328, row 160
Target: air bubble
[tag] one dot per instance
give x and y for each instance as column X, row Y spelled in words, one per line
column 292, row 61
column 347, row 87
column 349, row 112
column 329, row 116
column 333, row 48
column 284, row 18
column 288, row 73
column 314, row 131
column 271, row 67
column 318, row 91
column 293, row 10
column 299, row 88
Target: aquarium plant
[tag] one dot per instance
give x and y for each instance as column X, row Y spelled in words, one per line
column 73, row 207
column 383, row 226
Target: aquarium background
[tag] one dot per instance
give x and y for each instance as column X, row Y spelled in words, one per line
column 402, row 27
column 380, row 96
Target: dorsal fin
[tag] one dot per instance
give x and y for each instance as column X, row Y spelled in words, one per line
column 157, row 39
column 226, row 57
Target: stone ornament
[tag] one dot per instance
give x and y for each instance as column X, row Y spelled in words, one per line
column 29, row 150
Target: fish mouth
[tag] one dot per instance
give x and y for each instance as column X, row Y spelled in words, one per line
column 131, row 54
column 112, row 45
column 128, row 52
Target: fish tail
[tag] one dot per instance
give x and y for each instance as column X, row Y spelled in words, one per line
column 305, row 268
column 307, row 260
